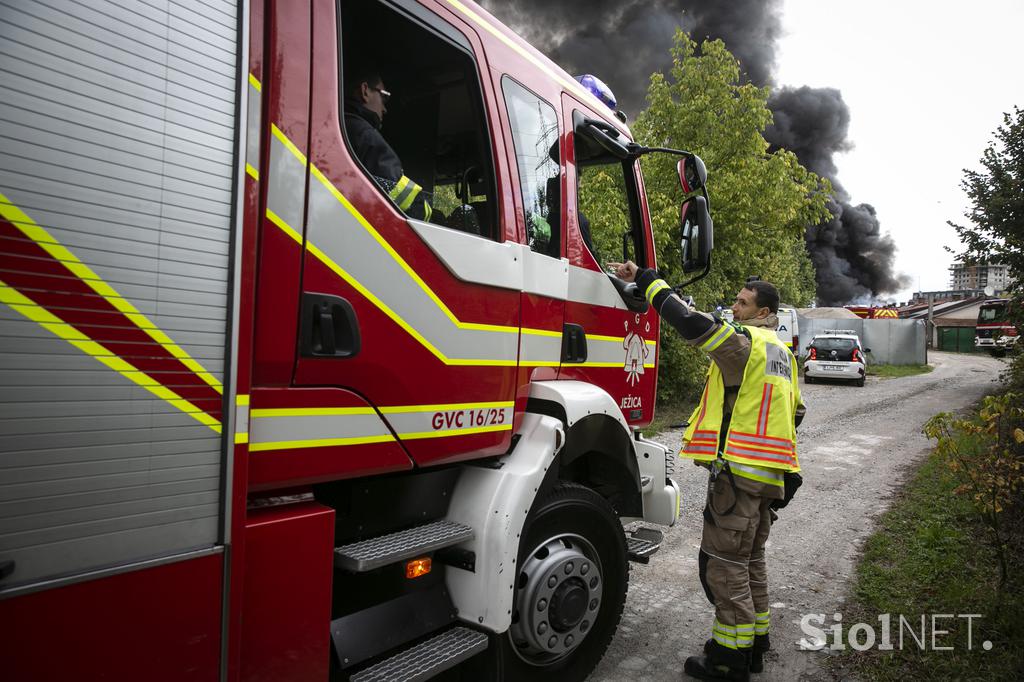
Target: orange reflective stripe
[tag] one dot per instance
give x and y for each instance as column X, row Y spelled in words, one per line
column 771, row 440
column 758, row 455
column 769, row 447
column 766, row 406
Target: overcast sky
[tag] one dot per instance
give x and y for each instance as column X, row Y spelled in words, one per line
column 926, row 83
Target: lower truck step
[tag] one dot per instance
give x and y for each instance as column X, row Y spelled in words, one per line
column 426, row 659
column 367, row 555
column 642, row 543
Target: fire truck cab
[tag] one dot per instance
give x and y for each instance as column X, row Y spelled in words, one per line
column 261, row 422
column 994, row 331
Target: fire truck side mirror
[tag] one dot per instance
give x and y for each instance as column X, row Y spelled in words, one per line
column 693, row 175
column 697, row 234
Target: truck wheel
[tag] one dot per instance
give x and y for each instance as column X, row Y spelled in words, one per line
column 808, row 380
column 573, row 576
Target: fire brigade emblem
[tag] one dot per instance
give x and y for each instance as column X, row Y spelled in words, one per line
column 636, row 353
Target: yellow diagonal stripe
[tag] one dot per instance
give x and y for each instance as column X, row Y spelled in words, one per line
column 329, row 186
column 35, row 312
column 285, row 227
column 289, row 145
column 45, row 240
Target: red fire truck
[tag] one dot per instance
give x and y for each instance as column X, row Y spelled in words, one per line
column 994, row 332
column 258, row 423
column 870, row 312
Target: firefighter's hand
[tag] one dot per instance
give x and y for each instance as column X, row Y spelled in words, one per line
column 625, row 271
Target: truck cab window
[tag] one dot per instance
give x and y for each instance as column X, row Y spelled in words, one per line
column 606, row 204
column 535, row 135
column 414, row 117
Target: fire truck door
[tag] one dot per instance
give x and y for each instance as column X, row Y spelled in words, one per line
column 605, row 224
column 407, row 296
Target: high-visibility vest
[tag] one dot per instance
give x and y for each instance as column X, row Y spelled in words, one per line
column 761, row 441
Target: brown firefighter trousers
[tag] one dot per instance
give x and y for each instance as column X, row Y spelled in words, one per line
column 732, row 562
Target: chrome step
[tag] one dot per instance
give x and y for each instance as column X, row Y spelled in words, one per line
column 367, row 555
column 642, row 543
column 426, row 659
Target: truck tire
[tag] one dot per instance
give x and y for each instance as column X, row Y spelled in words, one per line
column 808, row 380
column 573, row 577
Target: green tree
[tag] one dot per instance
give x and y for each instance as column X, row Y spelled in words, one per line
column 761, row 202
column 995, row 232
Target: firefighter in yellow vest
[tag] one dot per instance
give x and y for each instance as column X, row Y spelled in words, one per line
column 744, row 432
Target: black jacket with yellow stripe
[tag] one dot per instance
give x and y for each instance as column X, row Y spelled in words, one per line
column 381, row 161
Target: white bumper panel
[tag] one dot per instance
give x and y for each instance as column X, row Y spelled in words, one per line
column 495, row 502
column 660, row 492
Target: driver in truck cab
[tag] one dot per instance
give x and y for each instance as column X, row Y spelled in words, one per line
column 365, row 107
column 744, row 432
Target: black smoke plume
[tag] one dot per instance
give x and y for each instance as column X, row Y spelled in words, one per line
column 622, row 42
column 852, row 258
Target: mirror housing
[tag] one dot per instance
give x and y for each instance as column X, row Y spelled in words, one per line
column 696, row 234
column 693, row 175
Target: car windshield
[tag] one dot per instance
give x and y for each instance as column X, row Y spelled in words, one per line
column 833, row 344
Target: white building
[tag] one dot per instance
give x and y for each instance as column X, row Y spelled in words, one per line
column 979, row 276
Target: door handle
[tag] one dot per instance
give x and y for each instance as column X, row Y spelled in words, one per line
column 329, row 327
column 574, row 343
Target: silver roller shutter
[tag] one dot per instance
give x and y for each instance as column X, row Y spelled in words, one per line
column 117, row 145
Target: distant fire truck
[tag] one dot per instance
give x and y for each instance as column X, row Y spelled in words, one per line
column 866, row 312
column 994, row 331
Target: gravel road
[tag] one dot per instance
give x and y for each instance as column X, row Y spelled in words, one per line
column 855, row 447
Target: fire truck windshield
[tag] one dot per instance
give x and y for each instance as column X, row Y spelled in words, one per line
column 991, row 313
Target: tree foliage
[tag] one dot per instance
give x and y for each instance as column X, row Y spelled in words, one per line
column 995, row 232
column 761, row 202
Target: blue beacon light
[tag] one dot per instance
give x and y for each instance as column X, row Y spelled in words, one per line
column 598, row 89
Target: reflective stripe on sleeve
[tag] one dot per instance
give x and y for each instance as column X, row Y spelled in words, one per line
column 405, row 192
column 652, row 290
column 762, row 622
column 717, row 338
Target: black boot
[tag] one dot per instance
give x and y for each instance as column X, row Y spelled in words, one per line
column 719, row 663
column 761, row 645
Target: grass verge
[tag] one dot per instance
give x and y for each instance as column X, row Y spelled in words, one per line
column 669, row 416
column 929, row 557
column 893, row 371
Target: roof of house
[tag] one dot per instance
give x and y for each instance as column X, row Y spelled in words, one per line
column 944, row 309
column 827, row 313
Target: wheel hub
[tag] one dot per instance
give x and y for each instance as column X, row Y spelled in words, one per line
column 568, row 604
column 558, row 598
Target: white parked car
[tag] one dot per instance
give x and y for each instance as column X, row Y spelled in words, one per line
column 836, row 354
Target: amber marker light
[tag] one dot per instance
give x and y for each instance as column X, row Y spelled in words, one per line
column 417, row 567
